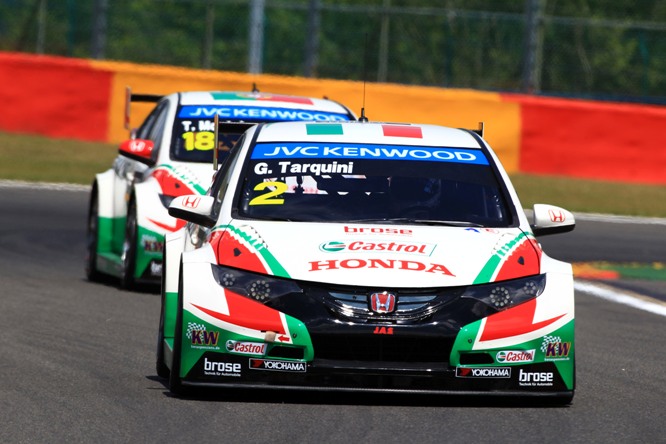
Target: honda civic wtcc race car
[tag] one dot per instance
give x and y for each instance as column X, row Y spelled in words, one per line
column 364, row 255
column 171, row 154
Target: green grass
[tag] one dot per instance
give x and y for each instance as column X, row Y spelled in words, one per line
column 41, row 159
column 35, row 158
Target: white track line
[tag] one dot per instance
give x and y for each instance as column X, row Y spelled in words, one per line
column 43, row 185
column 622, row 297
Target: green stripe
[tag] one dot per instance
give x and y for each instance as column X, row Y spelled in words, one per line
column 229, row 96
column 493, row 263
column 198, row 188
column 324, row 129
column 274, row 266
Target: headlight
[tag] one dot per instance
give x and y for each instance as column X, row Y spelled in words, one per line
column 252, row 285
column 506, row 294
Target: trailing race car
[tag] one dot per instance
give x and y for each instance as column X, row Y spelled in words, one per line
column 359, row 255
column 171, row 154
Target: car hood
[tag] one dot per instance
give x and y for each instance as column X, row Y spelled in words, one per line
column 384, row 255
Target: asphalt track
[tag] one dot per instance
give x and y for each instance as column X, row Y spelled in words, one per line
column 77, row 358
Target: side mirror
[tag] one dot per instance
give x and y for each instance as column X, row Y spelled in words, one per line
column 140, row 150
column 194, row 208
column 549, row 219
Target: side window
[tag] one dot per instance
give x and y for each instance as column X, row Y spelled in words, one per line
column 223, row 176
column 157, row 131
column 146, row 127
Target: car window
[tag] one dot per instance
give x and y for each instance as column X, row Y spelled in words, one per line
column 157, row 130
column 223, row 175
column 327, row 182
column 193, row 128
column 146, row 127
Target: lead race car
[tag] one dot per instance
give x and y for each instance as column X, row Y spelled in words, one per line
column 170, row 155
column 363, row 255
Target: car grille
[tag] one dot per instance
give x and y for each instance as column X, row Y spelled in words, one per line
column 410, row 306
column 382, row 348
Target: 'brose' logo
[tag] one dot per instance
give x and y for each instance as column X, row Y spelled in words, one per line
column 221, row 368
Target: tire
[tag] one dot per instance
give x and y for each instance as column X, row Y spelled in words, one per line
column 92, row 236
column 128, row 256
column 175, row 384
column 160, row 365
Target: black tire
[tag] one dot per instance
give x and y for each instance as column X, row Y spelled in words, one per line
column 92, row 236
column 128, row 256
column 160, row 365
column 175, row 384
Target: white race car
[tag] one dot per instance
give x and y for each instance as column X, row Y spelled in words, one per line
column 373, row 256
column 171, row 154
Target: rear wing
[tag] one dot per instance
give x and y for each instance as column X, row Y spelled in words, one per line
column 129, row 98
column 479, row 131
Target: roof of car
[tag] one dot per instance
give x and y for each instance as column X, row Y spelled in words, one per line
column 260, row 99
column 369, row 132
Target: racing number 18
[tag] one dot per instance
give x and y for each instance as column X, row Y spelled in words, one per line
column 201, row 141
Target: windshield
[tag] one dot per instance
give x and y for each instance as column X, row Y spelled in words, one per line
column 193, row 134
column 373, row 183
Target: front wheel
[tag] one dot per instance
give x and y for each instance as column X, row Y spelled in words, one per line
column 128, row 257
column 160, row 366
column 175, row 384
column 92, row 236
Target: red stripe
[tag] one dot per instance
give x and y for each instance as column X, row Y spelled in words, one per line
column 514, row 322
column 402, row 131
column 247, row 313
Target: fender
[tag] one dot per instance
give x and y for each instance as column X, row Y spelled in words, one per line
column 174, row 244
column 104, row 185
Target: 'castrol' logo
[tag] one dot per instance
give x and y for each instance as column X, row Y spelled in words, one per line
column 515, row 356
column 382, row 247
column 248, row 348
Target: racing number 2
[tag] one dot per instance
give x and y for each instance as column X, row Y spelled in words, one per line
column 269, row 198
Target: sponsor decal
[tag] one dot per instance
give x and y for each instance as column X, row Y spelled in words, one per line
column 191, row 202
column 137, row 146
column 155, row 268
column 278, row 366
column 367, row 151
column 554, row 349
column 556, row 215
column 483, row 372
column 383, row 302
column 248, row 348
column 150, row 244
column 383, row 331
column 515, row 356
column 382, row 247
column 236, row 112
column 214, row 368
column 378, row 230
column 201, row 338
column 392, row 264
column 535, row 379
column 313, row 169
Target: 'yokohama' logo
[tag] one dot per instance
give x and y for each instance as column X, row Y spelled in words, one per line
column 393, row 264
column 483, row 372
column 280, row 366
